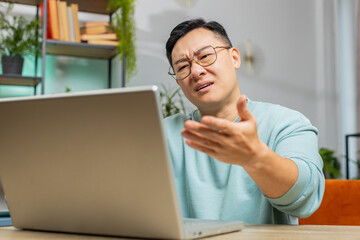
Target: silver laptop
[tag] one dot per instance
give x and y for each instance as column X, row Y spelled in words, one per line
column 93, row 163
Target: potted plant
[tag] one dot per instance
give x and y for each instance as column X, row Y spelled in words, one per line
column 171, row 102
column 123, row 24
column 18, row 37
column 331, row 163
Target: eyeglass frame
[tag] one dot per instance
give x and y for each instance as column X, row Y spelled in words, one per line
column 193, row 58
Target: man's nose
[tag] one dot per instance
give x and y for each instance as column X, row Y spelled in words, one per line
column 196, row 70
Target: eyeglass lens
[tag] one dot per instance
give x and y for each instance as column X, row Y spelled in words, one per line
column 204, row 57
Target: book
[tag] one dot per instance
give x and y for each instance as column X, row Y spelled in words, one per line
column 96, row 29
column 75, row 8
column 54, row 20
column 64, row 20
column 71, row 24
column 95, row 23
column 103, row 42
column 61, row 24
column 104, row 36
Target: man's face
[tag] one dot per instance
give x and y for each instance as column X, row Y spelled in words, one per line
column 213, row 86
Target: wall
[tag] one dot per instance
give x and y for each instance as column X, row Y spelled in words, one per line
column 296, row 47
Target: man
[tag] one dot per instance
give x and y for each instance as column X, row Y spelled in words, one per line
column 234, row 158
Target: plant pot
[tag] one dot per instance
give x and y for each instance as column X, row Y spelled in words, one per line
column 12, row 64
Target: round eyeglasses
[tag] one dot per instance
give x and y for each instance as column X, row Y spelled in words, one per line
column 204, row 57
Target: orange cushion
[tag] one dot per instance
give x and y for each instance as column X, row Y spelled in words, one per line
column 340, row 205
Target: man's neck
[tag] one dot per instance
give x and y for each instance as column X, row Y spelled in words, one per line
column 228, row 112
column 226, row 109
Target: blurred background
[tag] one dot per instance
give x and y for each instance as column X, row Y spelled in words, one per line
column 302, row 54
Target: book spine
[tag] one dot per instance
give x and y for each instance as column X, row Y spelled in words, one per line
column 61, row 23
column 104, row 36
column 103, row 42
column 75, row 8
column 64, row 20
column 54, row 20
column 70, row 18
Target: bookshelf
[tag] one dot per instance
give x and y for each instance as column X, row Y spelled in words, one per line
column 63, row 48
column 16, row 80
column 91, row 6
column 79, row 49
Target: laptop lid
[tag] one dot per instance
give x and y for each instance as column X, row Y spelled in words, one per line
column 92, row 162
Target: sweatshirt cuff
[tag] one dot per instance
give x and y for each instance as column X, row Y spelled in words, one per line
column 295, row 193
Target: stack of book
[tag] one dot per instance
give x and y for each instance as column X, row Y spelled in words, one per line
column 98, row 33
column 63, row 25
column 63, row 22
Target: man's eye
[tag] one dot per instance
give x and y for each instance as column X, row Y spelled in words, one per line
column 204, row 56
column 182, row 68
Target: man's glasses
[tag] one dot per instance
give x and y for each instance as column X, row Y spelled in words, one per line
column 204, row 57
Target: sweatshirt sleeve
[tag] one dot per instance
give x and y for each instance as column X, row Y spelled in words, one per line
column 296, row 139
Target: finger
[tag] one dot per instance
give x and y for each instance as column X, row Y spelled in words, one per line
column 218, row 124
column 194, row 125
column 243, row 111
column 206, row 131
column 199, row 139
column 201, row 148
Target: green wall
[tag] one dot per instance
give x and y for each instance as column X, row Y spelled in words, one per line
column 79, row 74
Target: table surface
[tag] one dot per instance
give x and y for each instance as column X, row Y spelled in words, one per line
column 264, row 232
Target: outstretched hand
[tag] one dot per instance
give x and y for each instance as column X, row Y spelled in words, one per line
column 238, row 143
column 229, row 142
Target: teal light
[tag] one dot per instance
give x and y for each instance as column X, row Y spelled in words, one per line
column 79, row 74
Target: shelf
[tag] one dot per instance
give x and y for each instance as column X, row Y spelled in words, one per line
column 26, row 2
column 19, row 80
column 62, row 48
column 79, row 49
column 92, row 6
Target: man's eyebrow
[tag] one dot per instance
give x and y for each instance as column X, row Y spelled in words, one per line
column 181, row 60
column 195, row 53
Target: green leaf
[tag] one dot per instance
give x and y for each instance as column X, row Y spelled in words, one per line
column 123, row 24
column 170, row 101
column 331, row 167
column 18, row 36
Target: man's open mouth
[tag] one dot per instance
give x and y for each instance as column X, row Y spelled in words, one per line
column 204, row 86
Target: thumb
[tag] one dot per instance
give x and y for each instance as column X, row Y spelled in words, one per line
column 243, row 111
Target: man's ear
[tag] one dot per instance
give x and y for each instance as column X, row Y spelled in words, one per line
column 235, row 56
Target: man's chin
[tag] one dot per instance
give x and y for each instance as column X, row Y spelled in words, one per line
column 205, row 102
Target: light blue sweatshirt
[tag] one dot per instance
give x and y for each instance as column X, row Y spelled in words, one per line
column 211, row 189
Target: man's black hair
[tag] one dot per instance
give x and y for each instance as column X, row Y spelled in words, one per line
column 185, row 27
